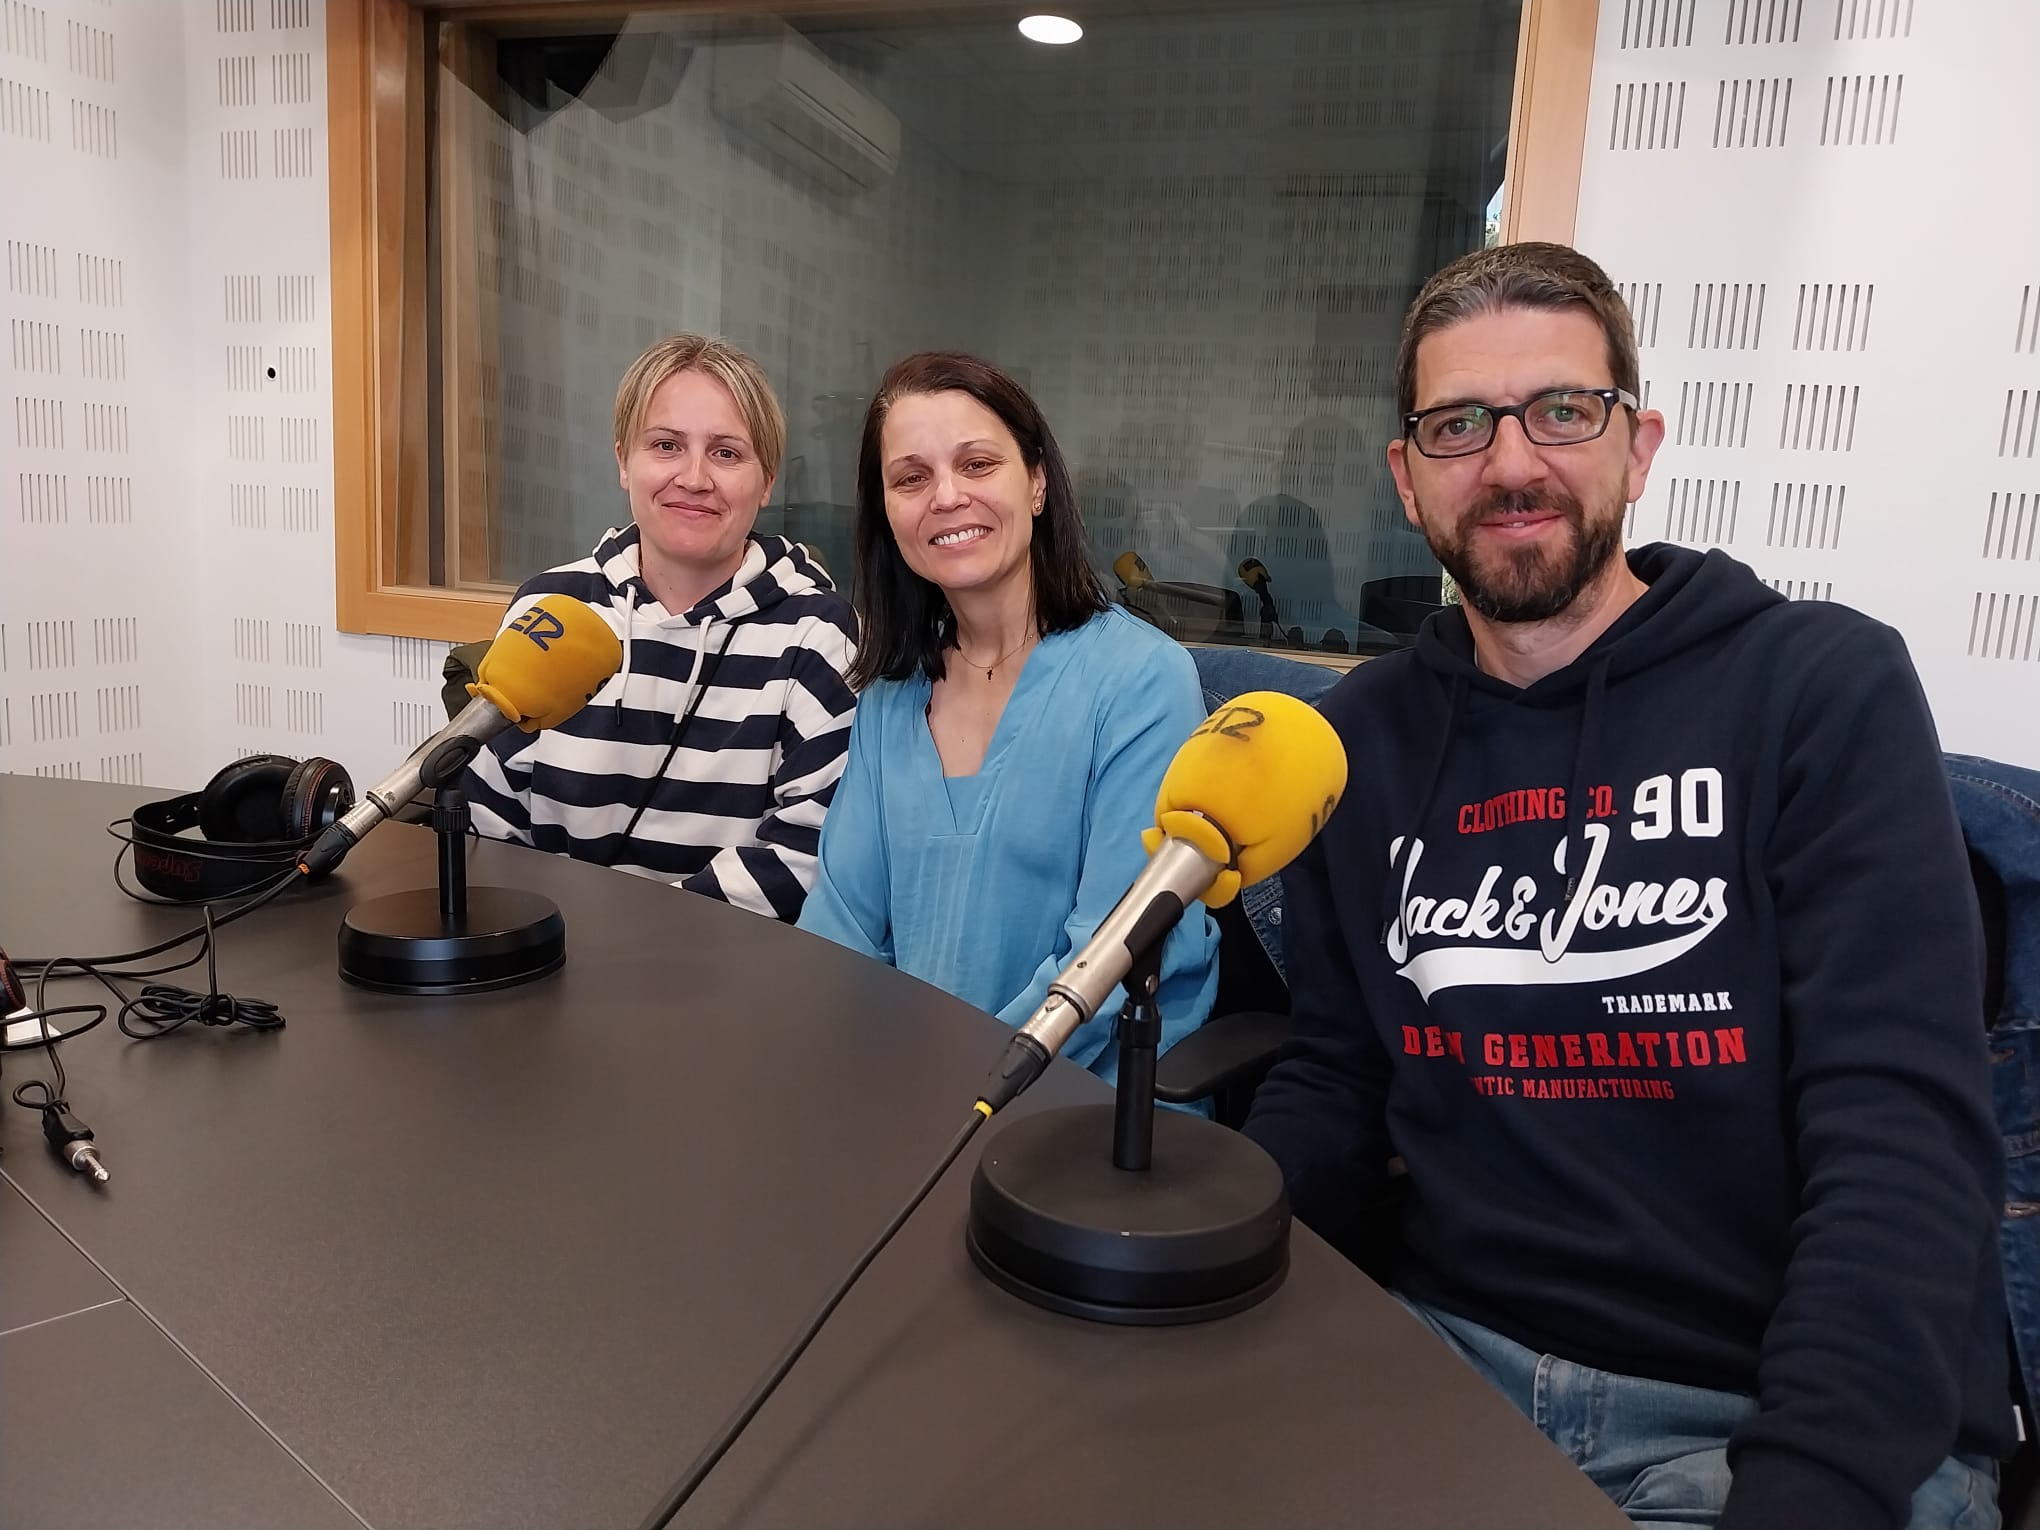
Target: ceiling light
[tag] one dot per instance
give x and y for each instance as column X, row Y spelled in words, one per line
column 1050, row 29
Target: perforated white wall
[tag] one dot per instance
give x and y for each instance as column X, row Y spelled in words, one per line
column 101, row 602
column 1811, row 207
column 1816, row 208
column 280, row 677
column 166, row 535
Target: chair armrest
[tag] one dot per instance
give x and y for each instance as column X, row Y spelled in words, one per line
column 1218, row 1052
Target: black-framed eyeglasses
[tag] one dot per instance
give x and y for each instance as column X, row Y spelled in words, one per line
column 1562, row 417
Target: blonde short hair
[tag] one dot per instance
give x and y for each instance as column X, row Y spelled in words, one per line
column 729, row 366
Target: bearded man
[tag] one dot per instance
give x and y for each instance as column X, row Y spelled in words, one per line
column 1644, row 939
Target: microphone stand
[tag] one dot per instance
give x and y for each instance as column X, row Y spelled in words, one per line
column 1140, row 1036
column 451, row 821
column 1184, row 1222
column 450, row 939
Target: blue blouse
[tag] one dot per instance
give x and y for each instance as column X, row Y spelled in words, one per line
column 987, row 885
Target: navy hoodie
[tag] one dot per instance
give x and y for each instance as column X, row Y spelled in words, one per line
column 1662, row 976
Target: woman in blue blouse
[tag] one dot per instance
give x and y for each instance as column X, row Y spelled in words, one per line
column 1013, row 725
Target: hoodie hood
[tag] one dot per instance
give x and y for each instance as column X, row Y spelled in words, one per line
column 1691, row 598
column 773, row 571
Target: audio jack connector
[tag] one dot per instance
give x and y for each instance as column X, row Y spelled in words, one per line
column 71, row 1140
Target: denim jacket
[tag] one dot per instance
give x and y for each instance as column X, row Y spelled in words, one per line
column 1228, row 672
column 1999, row 806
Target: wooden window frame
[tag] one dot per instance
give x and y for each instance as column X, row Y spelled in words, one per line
column 375, row 62
column 1548, row 120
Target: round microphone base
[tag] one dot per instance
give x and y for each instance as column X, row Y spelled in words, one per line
column 1202, row 1234
column 403, row 944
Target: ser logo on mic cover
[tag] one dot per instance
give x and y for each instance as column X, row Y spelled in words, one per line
column 541, row 626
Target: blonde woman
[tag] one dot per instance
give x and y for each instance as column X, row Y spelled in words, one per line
column 711, row 757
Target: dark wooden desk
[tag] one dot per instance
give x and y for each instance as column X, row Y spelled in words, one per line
column 508, row 1260
column 103, row 1422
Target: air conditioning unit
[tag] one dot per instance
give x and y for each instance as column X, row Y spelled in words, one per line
column 777, row 87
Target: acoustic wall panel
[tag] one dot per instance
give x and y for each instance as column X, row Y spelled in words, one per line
column 166, row 558
column 280, row 677
column 100, row 670
column 1839, row 311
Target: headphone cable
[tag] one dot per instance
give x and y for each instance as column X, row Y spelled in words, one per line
column 283, row 879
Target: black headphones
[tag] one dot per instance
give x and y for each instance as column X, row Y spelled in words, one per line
column 253, row 819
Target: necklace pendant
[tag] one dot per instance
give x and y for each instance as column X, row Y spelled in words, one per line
column 988, row 671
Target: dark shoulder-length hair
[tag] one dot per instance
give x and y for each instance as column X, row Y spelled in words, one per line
column 905, row 620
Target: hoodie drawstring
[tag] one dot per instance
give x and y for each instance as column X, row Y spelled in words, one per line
column 1575, row 791
column 693, row 691
column 1391, row 893
column 697, row 684
column 1575, row 794
column 629, row 642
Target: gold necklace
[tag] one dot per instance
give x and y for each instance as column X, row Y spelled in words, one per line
column 1001, row 659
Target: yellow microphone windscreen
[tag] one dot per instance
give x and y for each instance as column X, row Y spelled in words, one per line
column 544, row 666
column 1258, row 781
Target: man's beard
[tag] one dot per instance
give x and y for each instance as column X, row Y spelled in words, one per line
column 1533, row 583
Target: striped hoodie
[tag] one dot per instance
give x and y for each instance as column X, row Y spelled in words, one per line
column 709, row 759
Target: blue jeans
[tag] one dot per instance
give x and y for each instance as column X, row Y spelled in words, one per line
column 1659, row 1449
column 1999, row 806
